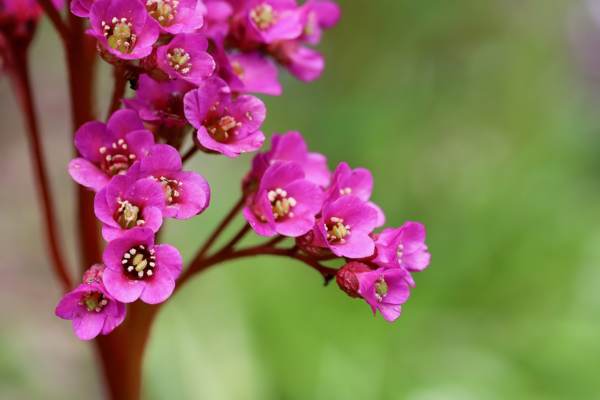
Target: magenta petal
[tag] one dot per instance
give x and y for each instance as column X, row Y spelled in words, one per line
column 160, row 287
column 145, row 193
column 359, row 245
column 281, row 173
column 112, row 322
column 302, row 222
column 193, row 199
column 121, row 287
column 162, row 157
column 380, row 214
column 169, row 257
column 87, row 324
column 124, row 121
column 89, row 138
column 307, row 194
column 67, row 306
column 101, row 209
column 153, row 217
column 262, row 205
column 87, row 174
column 140, row 142
column 390, row 312
column 306, row 64
column 328, row 13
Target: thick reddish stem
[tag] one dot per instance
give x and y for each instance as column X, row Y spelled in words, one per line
column 56, row 19
column 23, row 85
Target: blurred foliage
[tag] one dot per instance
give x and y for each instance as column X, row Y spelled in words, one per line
column 470, row 115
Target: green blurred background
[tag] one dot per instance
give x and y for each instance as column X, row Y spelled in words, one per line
column 474, row 119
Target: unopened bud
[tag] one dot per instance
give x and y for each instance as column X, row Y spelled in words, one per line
column 347, row 279
column 94, row 274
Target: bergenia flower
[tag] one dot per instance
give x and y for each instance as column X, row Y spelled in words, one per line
column 126, row 203
column 110, row 149
column 403, row 248
column 345, row 226
column 304, row 63
column 216, row 18
column 320, row 15
column 348, row 281
column 271, row 20
column 292, row 147
column 123, row 27
column 160, row 102
column 176, row 16
column 249, row 72
column 185, row 57
column 225, row 126
column 358, row 182
column 137, row 268
column 92, row 308
column 186, row 193
column 384, row 290
column 285, row 203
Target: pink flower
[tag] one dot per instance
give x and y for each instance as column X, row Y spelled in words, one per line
column 402, row 248
column 176, row 16
column 285, row 203
column 358, row 182
column 291, row 147
column 345, row 226
column 123, row 27
column 225, row 126
column 126, row 203
column 185, row 57
column 384, row 290
column 319, row 15
column 160, row 102
column 271, row 20
column 137, row 268
column 110, row 149
column 304, row 63
column 216, row 18
column 186, row 193
column 93, row 310
column 348, row 281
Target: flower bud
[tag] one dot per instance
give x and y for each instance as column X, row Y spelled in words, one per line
column 347, row 279
column 94, row 274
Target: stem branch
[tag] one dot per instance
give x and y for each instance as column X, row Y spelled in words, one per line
column 56, row 19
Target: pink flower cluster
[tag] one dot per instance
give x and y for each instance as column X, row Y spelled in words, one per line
column 192, row 65
column 290, row 192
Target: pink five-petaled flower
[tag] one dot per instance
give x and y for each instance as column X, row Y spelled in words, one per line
column 176, row 16
column 160, row 102
column 304, row 63
column 126, row 203
column 136, row 268
column 358, row 182
column 92, row 308
column 320, row 15
column 285, row 203
column 271, row 20
column 344, row 228
column 403, row 248
column 123, row 27
column 291, row 147
column 110, row 149
column 185, row 57
column 186, row 193
column 225, row 126
column 384, row 290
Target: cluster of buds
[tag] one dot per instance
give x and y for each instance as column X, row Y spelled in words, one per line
column 195, row 64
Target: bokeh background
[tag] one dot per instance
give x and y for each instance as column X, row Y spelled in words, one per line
column 475, row 119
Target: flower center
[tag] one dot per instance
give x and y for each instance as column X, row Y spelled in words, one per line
column 399, row 253
column 118, row 34
column 127, row 215
column 139, row 262
column 381, row 288
column 238, row 70
column 171, row 187
column 93, row 300
column 281, row 204
column 178, row 59
column 336, row 230
column 162, row 11
column 117, row 158
column 263, row 16
column 222, row 126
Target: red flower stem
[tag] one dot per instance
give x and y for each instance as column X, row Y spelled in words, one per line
column 56, row 19
column 23, row 84
column 118, row 91
column 80, row 60
column 189, row 153
column 236, row 208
